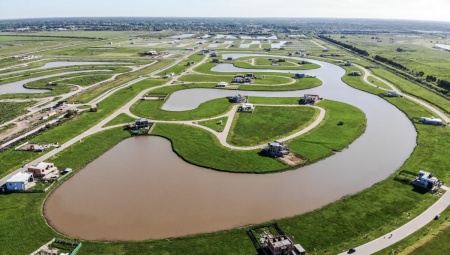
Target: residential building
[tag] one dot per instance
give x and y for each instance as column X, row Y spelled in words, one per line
column 19, row 181
column 354, row 73
column 393, row 93
column 141, row 123
column 151, row 53
column 309, row 99
column 246, row 107
column 276, row 149
column 426, row 180
column 42, row 169
column 238, row 99
column 222, row 84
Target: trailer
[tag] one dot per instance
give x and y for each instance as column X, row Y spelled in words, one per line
column 432, row 121
column 393, row 93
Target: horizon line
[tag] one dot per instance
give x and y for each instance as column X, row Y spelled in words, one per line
column 229, row 17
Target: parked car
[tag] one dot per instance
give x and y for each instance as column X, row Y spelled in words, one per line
column 352, row 250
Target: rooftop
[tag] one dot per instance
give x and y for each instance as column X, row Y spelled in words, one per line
column 20, row 177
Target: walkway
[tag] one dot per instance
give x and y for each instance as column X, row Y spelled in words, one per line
column 407, row 229
column 318, row 44
column 436, row 111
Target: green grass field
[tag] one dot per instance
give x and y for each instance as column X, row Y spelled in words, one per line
column 378, row 83
column 265, row 63
column 268, row 79
column 120, row 119
column 10, row 110
column 215, row 124
column 152, row 109
column 92, row 93
column 268, row 123
column 417, row 53
column 429, row 240
column 86, row 80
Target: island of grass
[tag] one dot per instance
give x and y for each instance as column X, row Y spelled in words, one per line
column 202, row 148
column 268, row 123
column 274, row 81
column 151, row 109
column 279, row 63
column 216, row 124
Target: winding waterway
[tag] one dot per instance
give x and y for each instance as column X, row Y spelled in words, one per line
column 141, row 190
column 18, row 86
column 66, row 64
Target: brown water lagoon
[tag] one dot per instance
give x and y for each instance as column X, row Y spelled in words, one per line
column 141, row 189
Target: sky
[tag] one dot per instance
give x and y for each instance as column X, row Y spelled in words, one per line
column 437, row 10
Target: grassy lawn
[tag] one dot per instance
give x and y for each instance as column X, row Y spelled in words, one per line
column 268, row 123
column 182, row 66
column 92, row 93
column 120, row 119
column 277, row 67
column 298, row 85
column 274, row 100
column 378, row 83
column 431, row 239
column 152, row 109
column 87, row 80
column 417, row 53
column 268, row 79
column 358, row 82
column 200, row 147
column 215, row 124
column 414, row 90
column 10, row 110
column 167, row 90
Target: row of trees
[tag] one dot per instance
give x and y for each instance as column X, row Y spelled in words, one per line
column 347, row 46
column 444, row 84
column 390, row 62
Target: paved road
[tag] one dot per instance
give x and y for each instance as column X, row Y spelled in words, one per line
column 436, row 111
column 407, row 229
column 318, row 44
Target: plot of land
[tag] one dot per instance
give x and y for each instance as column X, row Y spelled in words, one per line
column 268, row 123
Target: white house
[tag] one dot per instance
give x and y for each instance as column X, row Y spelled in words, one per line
column 19, row 181
column 246, row 107
column 222, row 84
column 393, row 93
